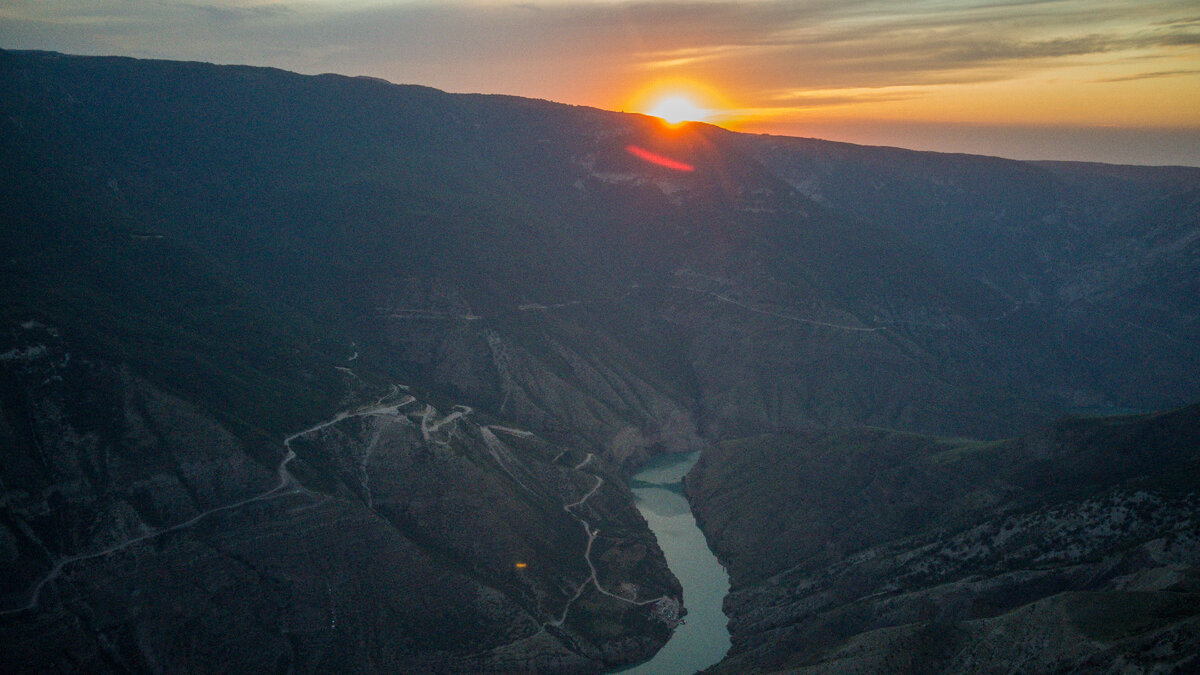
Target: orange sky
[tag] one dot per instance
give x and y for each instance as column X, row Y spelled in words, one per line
column 1109, row 80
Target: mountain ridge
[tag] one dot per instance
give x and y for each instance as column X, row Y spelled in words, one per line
column 253, row 252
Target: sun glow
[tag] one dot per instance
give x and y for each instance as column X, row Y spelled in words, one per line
column 677, row 108
column 679, row 100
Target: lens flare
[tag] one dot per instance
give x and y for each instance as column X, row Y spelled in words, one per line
column 654, row 158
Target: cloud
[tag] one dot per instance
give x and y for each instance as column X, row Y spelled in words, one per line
column 1149, row 76
column 953, row 33
column 233, row 13
column 807, row 99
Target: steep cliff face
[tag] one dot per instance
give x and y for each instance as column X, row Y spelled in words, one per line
column 141, row 534
column 1071, row 549
column 555, row 369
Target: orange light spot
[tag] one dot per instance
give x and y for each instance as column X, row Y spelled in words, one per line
column 646, row 155
column 522, row 566
column 676, row 109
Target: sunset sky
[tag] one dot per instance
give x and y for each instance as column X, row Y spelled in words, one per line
column 1105, row 80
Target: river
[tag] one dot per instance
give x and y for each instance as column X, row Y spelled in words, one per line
column 704, row 639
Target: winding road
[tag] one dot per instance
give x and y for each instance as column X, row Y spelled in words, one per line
column 287, row 485
column 587, row 553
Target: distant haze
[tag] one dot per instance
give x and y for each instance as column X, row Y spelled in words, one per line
column 1095, row 80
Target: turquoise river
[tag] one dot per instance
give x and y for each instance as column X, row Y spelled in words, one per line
column 704, row 639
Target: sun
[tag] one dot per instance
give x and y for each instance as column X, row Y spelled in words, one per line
column 677, row 108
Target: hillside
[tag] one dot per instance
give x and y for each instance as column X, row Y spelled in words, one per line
column 1072, row 549
column 345, row 352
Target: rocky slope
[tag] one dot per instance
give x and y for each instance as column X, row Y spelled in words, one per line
column 141, row 534
column 1073, row 549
